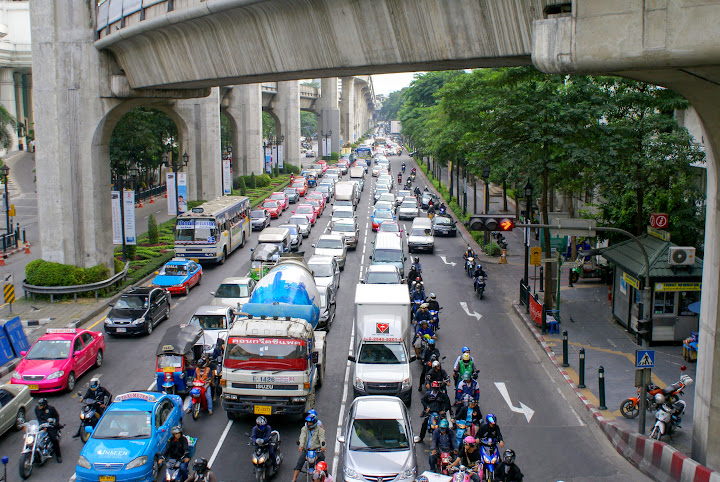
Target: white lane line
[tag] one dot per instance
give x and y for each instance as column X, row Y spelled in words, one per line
column 220, row 442
column 341, row 415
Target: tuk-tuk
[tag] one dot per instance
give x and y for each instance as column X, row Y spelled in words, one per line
column 263, row 257
column 176, row 357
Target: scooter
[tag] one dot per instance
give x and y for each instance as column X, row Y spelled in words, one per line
column 90, row 415
column 460, row 474
column 630, row 407
column 172, row 466
column 37, row 448
column 469, row 265
column 668, row 419
column 490, row 458
column 198, row 398
column 479, row 286
column 408, row 184
column 444, row 462
column 500, row 240
column 434, row 319
column 412, row 176
column 264, row 468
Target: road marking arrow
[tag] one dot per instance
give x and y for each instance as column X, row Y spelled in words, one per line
column 451, row 263
column 474, row 313
column 524, row 409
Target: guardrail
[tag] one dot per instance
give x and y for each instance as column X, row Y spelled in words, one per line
column 74, row 290
column 156, row 191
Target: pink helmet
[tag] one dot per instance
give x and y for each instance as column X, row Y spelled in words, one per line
column 469, row 439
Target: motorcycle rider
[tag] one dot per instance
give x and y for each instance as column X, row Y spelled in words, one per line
column 422, row 331
column 490, row 429
column 431, row 209
column 443, row 440
column 97, row 393
column 467, row 386
column 204, row 374
column 320, row 472
column 442, row 208
column 470, row 457
column 417, row 191
column 426, row 358
column 508, row 470
column 423, row 314
column 478, row 273
column 470, row 407
column 178, row 449
column 312, row 437
column 201, row 472
column 413, row 274
column 418, row 294
column 216, row 363
column 403, row 166
column 418, row 266
column 263, row 430
column 469, row 253
column 437, row 374
column 433, row 401
column 464, row 363
column 43, row 413
column 433, row 305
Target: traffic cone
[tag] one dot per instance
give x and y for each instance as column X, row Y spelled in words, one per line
column 27, row 248
column 139, row 203
column 609, row 293
column 152, row 201
column 165, row 194
column 2, row 260
column 503, row 257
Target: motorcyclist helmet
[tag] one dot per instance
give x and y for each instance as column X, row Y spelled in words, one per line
column 200, row 465
column 42, row 403
column 509, row 456
column 443, row 424
column 261, row 422
column 311, row 419
column 435, row 385
column 321, row 466
column 94, row 383
column 469, row 440
column 466, row 356
column 432, row 296
column 312, row 411
column 490, row 418
column 659, row 398
column 416, row 259
column 423, row 322
column 465, row 349
column 466, row 376
column 175, row 430
column 426, row 336
column 431, row 341
column 424, row 306
column 479, row 267
column 201, row 363
column 435, row 364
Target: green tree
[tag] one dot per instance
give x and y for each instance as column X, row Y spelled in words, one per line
column 253, row 181
column 308, row 124
column 268, row 126
column 153, row 233
column 391, row 107
column 8, row 124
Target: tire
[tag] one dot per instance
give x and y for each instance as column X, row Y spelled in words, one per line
column 230, row 415
column 156, row 468
column 84, row 436
column 99, row 359
column 149, row 329
column 166, row 316
column 629, row 409
column 19, row 419
column 482, row 292
column 24, row 466
column 196, row 410
column 222, row 258
column 260, row 475
column 321, row 377
column 187, row 290
column 574, row 277
column 655, row 433
column 242, row 241
column 71, row 382
column 170, row 390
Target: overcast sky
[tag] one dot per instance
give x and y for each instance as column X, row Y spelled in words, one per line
column 386, row 83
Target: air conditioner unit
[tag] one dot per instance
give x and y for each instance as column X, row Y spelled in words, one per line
column 681, row 256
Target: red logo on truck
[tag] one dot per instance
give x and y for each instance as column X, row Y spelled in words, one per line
column 382, row 328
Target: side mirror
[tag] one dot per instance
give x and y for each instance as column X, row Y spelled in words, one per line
column 341, row 439
column 351, row 358
column 23, row 353
column 416, row 439
column 88, row 429
column 212, row 293
column 370, row 257
column 312, row 245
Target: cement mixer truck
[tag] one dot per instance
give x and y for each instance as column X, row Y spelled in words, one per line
column 274, row 358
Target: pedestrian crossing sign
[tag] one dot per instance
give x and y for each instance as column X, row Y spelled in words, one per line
column 644, row 358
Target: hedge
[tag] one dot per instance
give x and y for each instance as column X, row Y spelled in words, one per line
column 44, row 273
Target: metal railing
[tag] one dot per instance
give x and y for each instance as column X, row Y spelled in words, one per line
column 53, row 291
column 156, row 191
column 10, row 240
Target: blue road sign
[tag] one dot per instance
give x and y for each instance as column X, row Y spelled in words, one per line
column 644, row 358
column 6, row 351
column 16, row 335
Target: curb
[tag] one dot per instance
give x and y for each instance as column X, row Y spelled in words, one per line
column 655, row 459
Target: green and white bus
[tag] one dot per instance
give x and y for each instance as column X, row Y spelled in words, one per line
column 211, row 231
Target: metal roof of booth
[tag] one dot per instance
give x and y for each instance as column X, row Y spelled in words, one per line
column 627, row 255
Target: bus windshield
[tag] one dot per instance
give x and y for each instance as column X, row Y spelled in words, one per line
column 196, row 230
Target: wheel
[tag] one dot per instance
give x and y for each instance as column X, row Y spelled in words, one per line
column 167, row 313
column 196, row 410
column 19, row 419
column 71, row 382
column 200, row 278
column 574, row 277
column 260, row 475
column 187, row 289
column 84, row 436
column 222, row 258
column 25, row 466
column 481, row 293
column 242, row 241
column 230, row 415
column 655, row 433
column 170, row 390
column 155, row 468
column 149, row 329
column 321, row 377
column 629, row 408
column 99, row 359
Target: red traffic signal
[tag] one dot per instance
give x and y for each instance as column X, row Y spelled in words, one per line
column 490, row 223
column 507, row 224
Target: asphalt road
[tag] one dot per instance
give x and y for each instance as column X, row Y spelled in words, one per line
column 555, row 439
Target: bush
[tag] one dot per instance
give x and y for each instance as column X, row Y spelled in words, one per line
column 119, row 265
column 131, row 251
column 276, row 171
column 354, row 145
column 253, row 181
column 44, row 273
column 241, row 186
column 492, row 249
column 334, row 156
column 263, row 180
column 291, row 169
column 152, row 230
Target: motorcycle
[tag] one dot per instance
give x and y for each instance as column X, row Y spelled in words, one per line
column 630, row 407
column 668, row 419
column 444, row 461
column 264, row 469
column 403, row 168
column 469, row 265
column 500, row 240
column 490, row 457
column 198, row 398
column 412, row 176
column 432, row 420
column 479, row 286
column 90, row 415
column 461, row 474
column 434, row 319
column 408, row 183
column 172, row 466
column 416, row 306
column 37, row 448
column 310, row 460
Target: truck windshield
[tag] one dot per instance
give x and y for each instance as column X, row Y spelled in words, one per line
column 251, row 353
column 378, row 435
column 380, row 354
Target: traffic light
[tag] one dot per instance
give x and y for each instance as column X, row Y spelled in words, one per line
column 490, row 223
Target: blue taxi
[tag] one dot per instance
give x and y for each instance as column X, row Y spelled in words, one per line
column 178, row 276
column 128, row 441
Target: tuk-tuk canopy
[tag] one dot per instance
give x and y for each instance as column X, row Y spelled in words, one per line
column 179, row 340
column 264, row 252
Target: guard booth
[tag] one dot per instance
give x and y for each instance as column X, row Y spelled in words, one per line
column 674, row 287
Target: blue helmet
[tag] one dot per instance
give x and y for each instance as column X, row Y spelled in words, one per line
column 465, row 349
column 311, row 419
column 490, row 418
column 444, row 423
column 431, row 341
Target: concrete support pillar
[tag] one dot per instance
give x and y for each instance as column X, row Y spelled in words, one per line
column 245, row 110
column 28, row 95
column 286, row 106
column 20, row 115
column 8, row 100
column 202, row 145
column 329, row 120
column 347, row 110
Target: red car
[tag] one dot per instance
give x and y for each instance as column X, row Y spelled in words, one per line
column 309, row 211
column 324, row 165
column 300, row 185
column 282, row 198
column 272, row 207
column 316, row 203
column 319, row 196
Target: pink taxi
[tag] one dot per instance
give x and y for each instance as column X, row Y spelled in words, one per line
column 58, row 358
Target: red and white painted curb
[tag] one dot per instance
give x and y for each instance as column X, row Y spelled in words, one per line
column 656, row 459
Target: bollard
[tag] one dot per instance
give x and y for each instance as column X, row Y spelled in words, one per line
column 565, row 349
column 24, row 239
column 601, row 388
column 581, row 370
column 542, row 278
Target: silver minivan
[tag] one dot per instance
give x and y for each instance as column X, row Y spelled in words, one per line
column 388, row 249
column 421, row 236
column 378, row 441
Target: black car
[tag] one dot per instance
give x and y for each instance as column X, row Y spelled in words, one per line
column 292, row 194
column 259, row 219
column 138, row 311
column 444, row 225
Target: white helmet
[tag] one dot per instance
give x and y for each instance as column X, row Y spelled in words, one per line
column 659, row 398
column 435, row 364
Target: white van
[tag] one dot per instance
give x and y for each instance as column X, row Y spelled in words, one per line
column 277, row 236
column 421, row 236
column 388, row 249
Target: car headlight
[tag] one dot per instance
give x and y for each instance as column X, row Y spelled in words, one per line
column 108, row 321
column 138, row 462
column 406, row 384
column 16, row 374
column 181, row 285
column 359, row 384
column 409, row 473
column 298, row 399
column 350, row 473
column 139, row 321
column 56, row 374
column 84, row 463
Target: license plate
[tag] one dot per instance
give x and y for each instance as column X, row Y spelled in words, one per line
column 262, row 410
column 107, row 478
column 120, row 330
column 168, row 369
column 34, row 387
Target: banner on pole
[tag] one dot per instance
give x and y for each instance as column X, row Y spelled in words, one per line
column 170, row 189
column 129, row 213
column 182, row 192
column 116, row 226
column 268, row 161
column 227, row 176
column 281, row 157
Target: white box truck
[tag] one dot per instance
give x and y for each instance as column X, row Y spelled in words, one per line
column 382, row 341
column 346, row 194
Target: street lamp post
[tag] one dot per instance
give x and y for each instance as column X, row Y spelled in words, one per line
column 486, row 177
column 325, row 138
column 527, row 190
column 175, row 165
column 464, row 192
column 5, row 171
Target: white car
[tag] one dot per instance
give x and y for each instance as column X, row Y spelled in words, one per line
column 332, row 245
column 409, row 208
column 382, row 274
column 388, row 196
column 348, row 229
column 326, row 273
column 215, row 322
column 233, row 292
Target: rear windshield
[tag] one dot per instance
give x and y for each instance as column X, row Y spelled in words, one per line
column 232, row 291
column 328, row 243
column 387, row 255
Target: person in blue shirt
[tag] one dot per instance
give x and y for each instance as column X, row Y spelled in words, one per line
column 468, row 387
column 422, row 330
column 443, row 440
column 422, row 314
column 263, row 430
